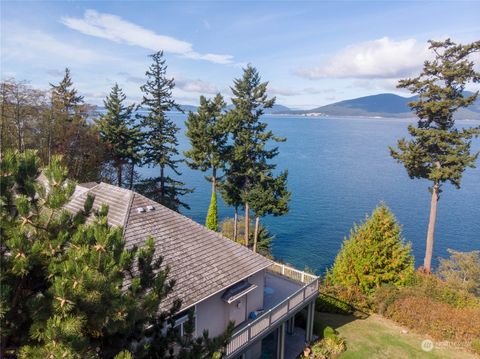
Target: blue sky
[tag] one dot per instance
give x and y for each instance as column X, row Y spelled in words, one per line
column 312, row 53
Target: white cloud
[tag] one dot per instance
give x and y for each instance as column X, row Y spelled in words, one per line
column 199, row 86
column 41, row 47
column 381, row 58
column 114, row 28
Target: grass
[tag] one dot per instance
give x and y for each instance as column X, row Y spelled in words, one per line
column 377, row 337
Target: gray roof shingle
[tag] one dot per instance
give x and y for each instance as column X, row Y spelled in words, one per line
column 201, row 261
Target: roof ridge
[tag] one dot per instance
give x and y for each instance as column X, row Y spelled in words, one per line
column 127, row 216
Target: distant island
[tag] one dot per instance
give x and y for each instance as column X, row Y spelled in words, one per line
column 381, row 105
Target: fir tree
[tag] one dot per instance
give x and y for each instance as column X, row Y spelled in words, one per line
column 65, row 97
column 208, row 134
column 119, row 132
column 268, row 196
column 437, row 151
column 70, row 134
column 374, row 254
column 250, row 156
column 161, row 136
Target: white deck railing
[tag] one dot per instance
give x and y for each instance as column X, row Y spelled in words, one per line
column 241, row 338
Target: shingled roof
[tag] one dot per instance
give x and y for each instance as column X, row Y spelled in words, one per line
column 202, row 262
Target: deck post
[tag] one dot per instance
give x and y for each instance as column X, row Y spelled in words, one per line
column 310, row 319
column 291, row 325
column 281, row 341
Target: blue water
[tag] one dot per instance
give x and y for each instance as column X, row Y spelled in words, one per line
column 339, row 170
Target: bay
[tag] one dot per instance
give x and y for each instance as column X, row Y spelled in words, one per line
column 340, row 169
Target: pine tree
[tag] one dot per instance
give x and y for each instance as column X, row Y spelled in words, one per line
column 208, row 134
column 161, row 136
column 374, row 254
column 71, row 289
column 268, row 196
column 119, row 132
column 249, row 158
column 437, row 151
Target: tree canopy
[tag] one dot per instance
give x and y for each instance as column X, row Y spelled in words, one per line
column 374, row 254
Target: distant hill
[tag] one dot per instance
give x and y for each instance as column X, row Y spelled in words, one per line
column 274, row 110
column 381, row 105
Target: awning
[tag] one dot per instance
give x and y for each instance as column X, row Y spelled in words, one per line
column 237, row 291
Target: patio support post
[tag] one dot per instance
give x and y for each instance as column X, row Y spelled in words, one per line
column 281, row 341
column 310, row 319
column 291, row 325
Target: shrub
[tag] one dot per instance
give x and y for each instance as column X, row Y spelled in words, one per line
column 430, row 286
column 461, row 271
column 331, row 346
column 475, row 346
column 440, row 320
column 342, row 300
column 329, row 332
column 375, row 254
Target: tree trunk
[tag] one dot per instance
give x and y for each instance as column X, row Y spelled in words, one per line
column 255, row 236
column 235, row 224
column 162, row 182
column 119, row 174
column 132, row 173
column 427, row 262
column 214, row 180
column 247, row 225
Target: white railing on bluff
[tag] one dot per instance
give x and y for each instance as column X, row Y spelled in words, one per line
column 273, row 316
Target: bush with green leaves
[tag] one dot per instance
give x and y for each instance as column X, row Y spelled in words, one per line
column 375, row 254
column 461, row 271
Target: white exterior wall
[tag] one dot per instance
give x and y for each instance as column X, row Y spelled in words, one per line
column 213, row 313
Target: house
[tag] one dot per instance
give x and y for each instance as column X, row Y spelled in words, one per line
column 222, row 280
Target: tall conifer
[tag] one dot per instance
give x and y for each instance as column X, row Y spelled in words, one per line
column 250, row 155
column 118, row 131
column 208, row 134
column 161, row 136
column 437, row 151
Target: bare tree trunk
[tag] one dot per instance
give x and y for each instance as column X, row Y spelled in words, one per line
column 162, row 182
column 255, row 236
column 247, row 225
column 119, row 174
column 132, row 173
column 214, row 180
column 427, row 262
column 235, row 224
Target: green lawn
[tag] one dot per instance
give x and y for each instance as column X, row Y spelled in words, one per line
column 377, row 337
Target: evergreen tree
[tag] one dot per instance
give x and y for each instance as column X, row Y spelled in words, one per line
column 437, row 151
column 119, row 132
column 212, row 215
column 71, row 289
column 373, row 255
column 161, row 136
column 65, row 97
column 249, row 157
column 268, row 196
column 70, row 135
column 208, row 134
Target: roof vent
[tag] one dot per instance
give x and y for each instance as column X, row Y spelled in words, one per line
column 150, row 208
column 140, row 210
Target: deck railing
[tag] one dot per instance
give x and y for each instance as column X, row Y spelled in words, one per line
column 273, row 316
